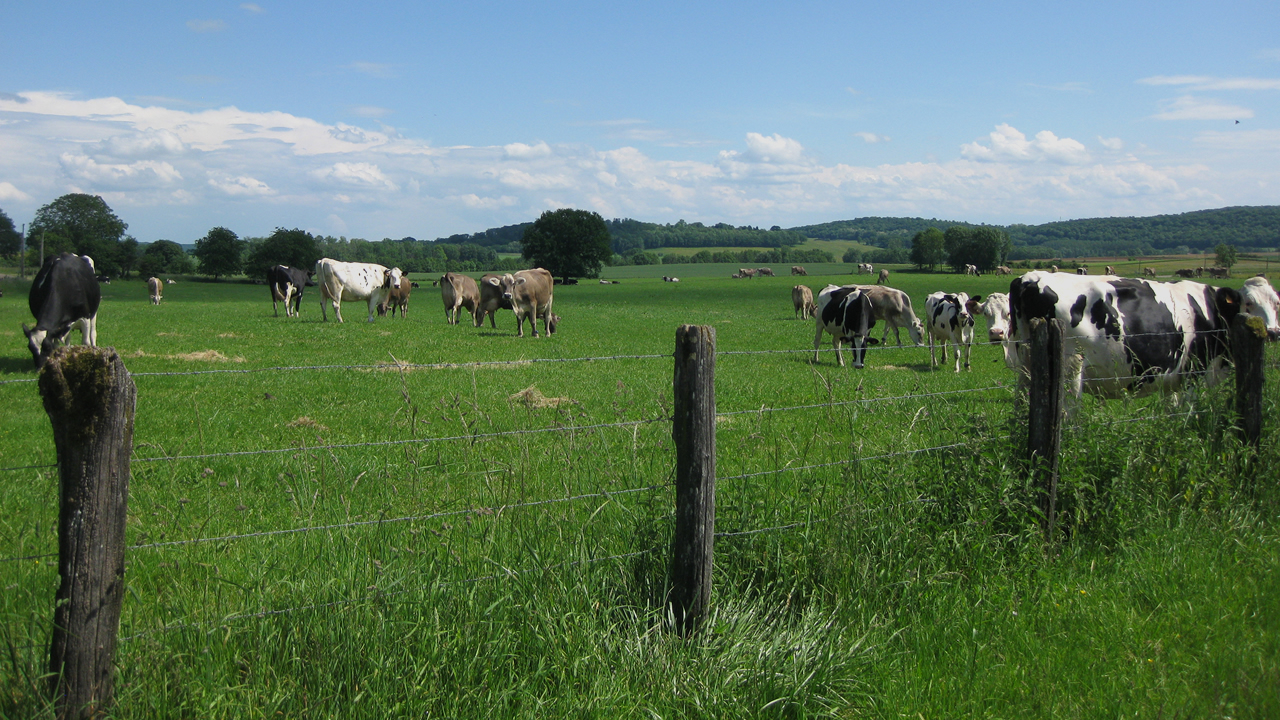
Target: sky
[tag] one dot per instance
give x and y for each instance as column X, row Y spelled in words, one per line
column 426, row 119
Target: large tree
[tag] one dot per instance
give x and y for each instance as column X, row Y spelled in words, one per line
column 985, row 246
column 165, row 256
column 569, row 243
column 10, row 239
column 220, row 253
column 928, row 249
column 1225, row 255
column 295, row 248
column 88, row 224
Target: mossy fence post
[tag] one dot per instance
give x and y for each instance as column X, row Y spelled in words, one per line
column 1248, row 351
column 693, row 429
column 1044, row 416
column 90, row 398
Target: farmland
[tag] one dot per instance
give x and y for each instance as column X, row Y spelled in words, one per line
column 445, row 538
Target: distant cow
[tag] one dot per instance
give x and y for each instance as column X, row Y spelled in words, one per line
column 605, row 282
column 1003, row 270
column 865, row 268
column 802, row 299
column 1053, row 268
column 747, row 272
column 103, row 279
column 765, row 272
column 1219, row 272
column 155, row 289
column 1109, row 270
column 398, row 298
column 893, row 307
column 884, row 277
column 1200, row 271
column 64, row 295
column 798, row 270
column 845, row 313
column 970, row 269
column 1149, row 271
column 491, row 299
column 340, row 281
column 530, row 293
column 949, row 321
column 459, row 291
column 670, row 279
column 736, row 276
column 1082, row 270
column 286, row 285
column 1185, row 273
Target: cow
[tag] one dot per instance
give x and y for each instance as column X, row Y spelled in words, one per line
column 102, row 279
column 530, row 293
column 1003, row 270
column 670, row 279
column 765, row 272
column 1127, row 334
column 1219, row 272
column 996, row 310
column 1053, row 268
column 155, row 289
column 1149, row 271
column 1082, row 270
column 491, row 299
column 893, row 307
column 970, row 269
column 459, row 291
column 286, row 285
column 170, row 281
column 605, row 282
column 747, row 272
column 845, row 313
column 802, row 299
column 1108, row 270
column 1185, row 273
column 1259, row 298
column 1200, row 271
column 736, row 276
column 798, row 270
column 398, row 298
column 865, row 268
column 340, row 281
column 64, row 295
column 884, row 277
column 948, row 320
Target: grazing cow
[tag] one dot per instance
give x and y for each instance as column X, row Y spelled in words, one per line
column 1053, row 268
column 1109, row 270
column 605, row 282
column 398, row 298
column 747, row 272
column 286, row 285
column 530, row 294
column 170, row 281
column 970, row 269
column 155, row 289
column 802, row 299
column 845, row 313
column 1185, row 273
column 670, row 279
column 1219, row 272
column 765, row 272
column 103, row 279
column 64, row 295
column 798, row 270
column 1128, row 334
column 948, row 319
column 884, row 277
column 1200, row 271
column 865, row 268
column 1149, row 271
column 491, row 299
column 1082, row 270
column 1259, row 298
column 459, row 291
column 736, row 276
column 893, row 307
column 340, row 281
column 1003, row 270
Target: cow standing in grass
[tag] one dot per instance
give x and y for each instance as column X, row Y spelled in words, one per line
column 884, row 277
column 340, row 281
column 845, row 313
column 530, row 293
column 949, row 321
column 286, row 284
column 459, row 291
column 491, row 300
column 64, row 295
column 802, row 300
column 155, row 289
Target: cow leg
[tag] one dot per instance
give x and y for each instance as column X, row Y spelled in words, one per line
column 968, row 353
column 859, row 350
column 958, row 357
column 817, row 341
column 835, row 343
column 373, row 306
column 932, row 360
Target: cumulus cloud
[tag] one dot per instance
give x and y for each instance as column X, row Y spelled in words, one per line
column 1114, row 143
column 1189, row 107
column 358, row 174
column 1008, row 144
column 520, row 151
column 870, row 137
column 148, row 143
column 242, row 186
column 115, row 176
column 1208, row 82
column 9, row 193
column 206, row 26
column 252, row 8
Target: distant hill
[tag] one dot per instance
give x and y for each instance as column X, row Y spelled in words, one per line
column 630, row 236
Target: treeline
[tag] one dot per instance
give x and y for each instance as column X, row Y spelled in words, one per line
column 777, row 256
column 630, row 236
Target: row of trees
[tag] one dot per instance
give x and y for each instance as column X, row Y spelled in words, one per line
column 778, row 256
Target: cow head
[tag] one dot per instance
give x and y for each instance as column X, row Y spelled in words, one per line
column 391, row 278
column 552, row 321
column 40, row 343
column 507, row 283
column 1258, row 298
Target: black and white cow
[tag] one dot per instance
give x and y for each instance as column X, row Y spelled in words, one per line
column 64, row 295
column 845, row 313
column 996, row 310
column 948, row 320
column 1128, row 334
column 1257, row 297
column 286, row 285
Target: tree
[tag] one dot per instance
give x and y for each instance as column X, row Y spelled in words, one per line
column 165, row 256
column 295, row 248
column 928, row 249
column 1226, row 255
column 10, row 238
column 88, row 223
column 219, row 253
column 569, row 243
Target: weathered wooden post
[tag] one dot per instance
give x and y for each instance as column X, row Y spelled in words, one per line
column 694, row 430
column 90, row 399
column 1248, row 350
column 1044, row 415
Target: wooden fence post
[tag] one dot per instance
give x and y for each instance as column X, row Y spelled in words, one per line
column 89, row 397
column 1044, row 415
column 694, row 430
column 1248, row 351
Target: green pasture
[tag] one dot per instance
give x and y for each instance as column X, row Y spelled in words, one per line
column 433, row 537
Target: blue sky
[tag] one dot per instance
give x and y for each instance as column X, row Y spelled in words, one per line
column 427, row 119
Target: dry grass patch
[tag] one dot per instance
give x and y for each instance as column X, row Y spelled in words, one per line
column 534, row 398
column 169, row 334
column 202, row 356
column 306, row 422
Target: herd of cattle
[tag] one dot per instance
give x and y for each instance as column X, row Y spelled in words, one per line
column 1123, row 334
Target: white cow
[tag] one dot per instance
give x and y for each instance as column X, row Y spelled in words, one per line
column 996, row 310
column 340, row 281
column 1259, row 298
column 948, row 321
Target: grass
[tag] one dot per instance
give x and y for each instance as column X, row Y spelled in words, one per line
column 914, row 585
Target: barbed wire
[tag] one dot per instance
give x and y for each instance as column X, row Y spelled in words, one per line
column 861, row 400
column 807, row 523
column 29, row 467
column 883, row 456
column 401, row 365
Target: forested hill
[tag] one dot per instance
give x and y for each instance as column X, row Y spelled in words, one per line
column 632, row 235
column 1244, row 227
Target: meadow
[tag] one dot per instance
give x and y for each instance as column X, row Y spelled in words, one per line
column 410, row 519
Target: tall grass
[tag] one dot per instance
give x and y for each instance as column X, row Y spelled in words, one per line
column 423, row 580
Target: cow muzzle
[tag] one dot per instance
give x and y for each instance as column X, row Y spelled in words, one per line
column 995, row 335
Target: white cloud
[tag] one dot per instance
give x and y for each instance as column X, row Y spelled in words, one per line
column 870, row 137
column 148, row 143
column 475, row 202
column 206, row 26
column 252, row 8
column 773, row 148
column 1008, row 144
column 242, row 186
column 520, row 151
column 1208, row 82
column 9, row 193
column 1189, row 107
column 370, row 111
column 1114, row 143
column 357, row 173
column 109, row 176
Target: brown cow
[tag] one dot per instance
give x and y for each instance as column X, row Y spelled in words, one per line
column 884, row 277
column 1003, row 270
column 763, row 272
column 156, row 289
column 802, row 299
column 530, row 295
column 399, row 298
column 1109, row 270
column 798, row 270
column 893, row 308
column 1149, row 271
column 458, row 291
column 490, row 299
